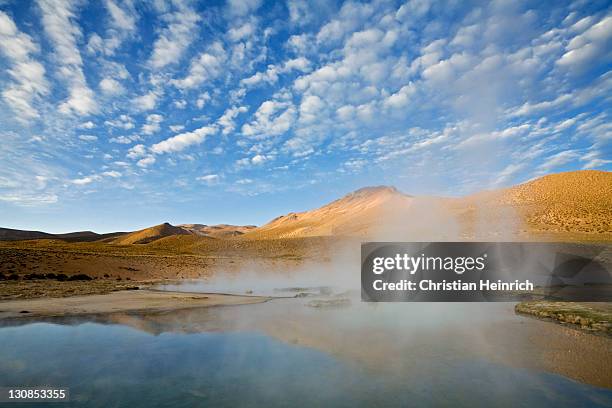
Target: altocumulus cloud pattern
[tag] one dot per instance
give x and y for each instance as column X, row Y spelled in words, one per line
column 184, row 100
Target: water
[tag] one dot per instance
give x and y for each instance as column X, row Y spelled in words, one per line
column 284, row 353
column 255, row 287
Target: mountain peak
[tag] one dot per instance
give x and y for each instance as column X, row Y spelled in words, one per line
column 369, row 190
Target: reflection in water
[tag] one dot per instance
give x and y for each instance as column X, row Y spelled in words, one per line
column 284, row 353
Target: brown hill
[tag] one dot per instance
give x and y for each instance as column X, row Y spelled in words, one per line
column 149, row 234
column 8, row 234
column 356, row 214
column 577, row 201
column 573, row 202
column 217, row 231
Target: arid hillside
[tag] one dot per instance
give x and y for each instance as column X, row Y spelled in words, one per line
column 561, row 204
column 578, row 202
column 8, row 234
column 574, row 201
column 149, row 234
column 572, row 206
column 217, row 231
column 356, row 214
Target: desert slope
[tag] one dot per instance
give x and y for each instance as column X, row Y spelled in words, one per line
column 577, row 201
column 573, row 202
column 356, row 214
column 217, row 231
column 150, row 234
column 8, row 234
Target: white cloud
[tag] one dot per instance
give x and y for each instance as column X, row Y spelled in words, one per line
column 58, row 21
column 413, row 9
column 88, row 138
column 112, row 173
column 123, row 122
column 29, row 200
column 310, row 108
column 122, row 25
column 299, row 64
column 557, row 160
column 596, row 163
column 152, row 124
column 146, row 102
column 174, row 39
column 227, row 122
column 183, row 140
column 271, row 74
column 300, row 44
column 401, row 98
column 209, row 179
column 124, row 139
column 146, row 162
column 202, row 99
column 121, row 18
column 593, row 44
column 271, row 119
column 87, row 125
column 137, row 151
column 95, row 177
column 110, row 86
column 84, row 180
column 28, row 75
column 205, row 67
column 180, row 104
column 241, row 32
column 259, row 159
column 238, row 8
column 507, row 173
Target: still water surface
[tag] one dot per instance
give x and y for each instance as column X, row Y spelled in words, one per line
column 288, row 353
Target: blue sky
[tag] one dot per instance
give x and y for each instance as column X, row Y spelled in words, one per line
column 117, row 115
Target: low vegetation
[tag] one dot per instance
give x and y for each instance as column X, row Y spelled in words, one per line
column 594, row 317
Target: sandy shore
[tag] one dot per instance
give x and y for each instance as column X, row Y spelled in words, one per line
column 122, row 301
column 589, row 317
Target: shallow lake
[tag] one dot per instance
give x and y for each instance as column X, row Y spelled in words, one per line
column 292, row 352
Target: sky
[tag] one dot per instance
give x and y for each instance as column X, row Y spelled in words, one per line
column 118, row 115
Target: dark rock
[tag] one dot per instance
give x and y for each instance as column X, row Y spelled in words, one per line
column 80, row 277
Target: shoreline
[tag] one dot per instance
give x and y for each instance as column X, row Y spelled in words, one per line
column 593, row 318
column 143, row 300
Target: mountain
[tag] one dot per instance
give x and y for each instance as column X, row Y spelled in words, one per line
column 217, row 231
column 8, row 234
column 149, row 234
column 577, row 201
column 356, row 214
column 571, row 202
